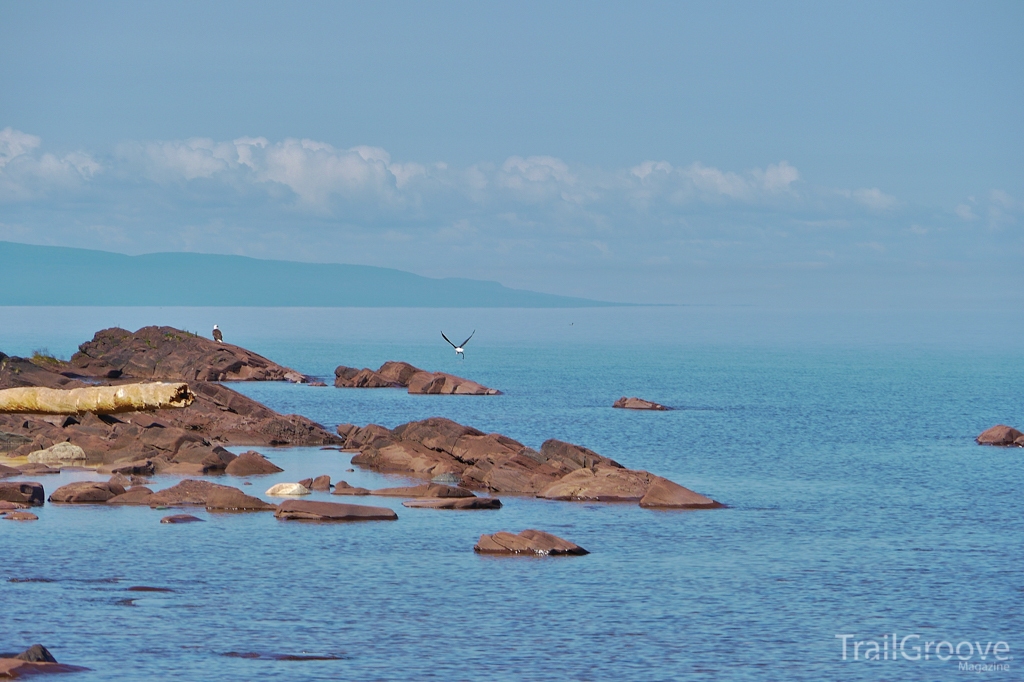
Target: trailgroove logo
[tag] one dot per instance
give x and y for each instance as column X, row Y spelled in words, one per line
column 971, row 655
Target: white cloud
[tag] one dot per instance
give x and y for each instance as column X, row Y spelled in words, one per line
column 875, row 199
column 25, row 175
column 965, row 212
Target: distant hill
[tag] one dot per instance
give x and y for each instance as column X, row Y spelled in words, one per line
column 58, row 276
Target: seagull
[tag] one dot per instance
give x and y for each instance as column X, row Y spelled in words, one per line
column 459, row 348
column 217, row 336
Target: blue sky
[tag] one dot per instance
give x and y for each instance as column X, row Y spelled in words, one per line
column 828, row 154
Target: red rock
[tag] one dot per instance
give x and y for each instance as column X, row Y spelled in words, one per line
column 343, row 488
column 19, row 516
column 251, row 463
column 86, row 492
column 350, row 377
column 306, row 483
column 455, row 503
column 999, row 435
column 665, row 494
column 234, row 499
column 24, row 492
column 401, row 374
column 531, row 542
column 180, row 518
column 425, row 490
column 601, row 484
column 308, row 510
column 11, row 506
column 172, row 354
column 321, row 483
column 187, row 493
column 14, row 668
column 37, row 469
column 6, row 471
column 138, row 495
column 638, row 404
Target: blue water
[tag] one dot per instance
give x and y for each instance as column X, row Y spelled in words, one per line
column 842, row 443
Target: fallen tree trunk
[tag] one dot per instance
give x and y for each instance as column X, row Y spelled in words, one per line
column 96, row 399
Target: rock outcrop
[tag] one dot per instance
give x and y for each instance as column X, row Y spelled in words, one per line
column 1002, row 435
column 403, row 375
column 529, row 542
column 27, row 492
column 498, row 464
column 36, row 660
column 308, row 510
column 166, row 353
column 190, row 439
column 638, row 404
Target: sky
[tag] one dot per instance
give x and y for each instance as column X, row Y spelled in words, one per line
column 847, row 154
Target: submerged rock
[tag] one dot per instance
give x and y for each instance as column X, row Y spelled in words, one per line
column 531, row 542
column 18, row 516
column 309, row 510
column 638, row 404
column 1001, row 434
column 181, row 518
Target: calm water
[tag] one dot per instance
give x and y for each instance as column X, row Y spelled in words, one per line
column 859, row 504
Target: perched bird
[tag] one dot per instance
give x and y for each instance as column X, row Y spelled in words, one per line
column 217, row 336
column 459, row 348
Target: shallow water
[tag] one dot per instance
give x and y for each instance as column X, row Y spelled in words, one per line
column 843, row 445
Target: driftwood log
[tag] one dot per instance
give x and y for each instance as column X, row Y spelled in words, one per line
column 96, row 399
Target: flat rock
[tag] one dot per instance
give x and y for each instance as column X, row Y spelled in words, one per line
column 86, row 492
column 24, row 492
column 59, row 453
column 37, row 469
column 18, row 516
column 309, row 510
column 11, row 668
column 403, row 375
column 234, row 499
column 181, row 518
column 529, row 542
column 139, row 467
column 12, row 506
column 251, row 463
column 1001, row 434
column 7, row 472
column 343, row 488
column 454, row 503
column 286, row 489
column 638, row 404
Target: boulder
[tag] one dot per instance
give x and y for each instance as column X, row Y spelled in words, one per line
column 233, row 499
column 86, row 492
column 136, row 496
column 425, row 490
column 251, row 463
column 60, row 453
column 18, row 516
column 403, row 375
column 1000, row 434
column 22, row 492
column 37, row 653
column 343, row 488
column 7, row 472
column 321, row 484
column 306, row 482
column 454, row 503
column 638, row 404
column 286, row 489
column 309, row 510
column 529, row 542
column 181, row 518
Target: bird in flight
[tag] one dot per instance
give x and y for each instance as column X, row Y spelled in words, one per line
column 217, row 335
column 459, row 349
